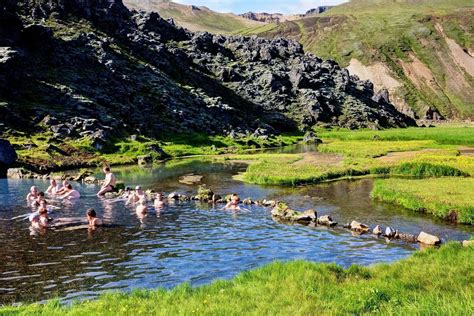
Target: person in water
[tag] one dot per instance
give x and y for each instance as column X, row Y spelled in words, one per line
column 159, row 201
column 63, row 189
column 109, row 182
column 53, row 187
column 92, row 218
column 33, row 195
column 71, row 193
column 41, row 220
column 126, row 193
column 233, row 204
column 39, row 200
column 141, row 207
column 137, row 195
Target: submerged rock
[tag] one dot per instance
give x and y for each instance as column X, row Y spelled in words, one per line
column 428, row 239
column 406, row 237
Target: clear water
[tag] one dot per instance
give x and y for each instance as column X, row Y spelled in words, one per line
column 189, row 241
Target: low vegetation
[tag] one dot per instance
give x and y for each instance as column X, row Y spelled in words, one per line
column 435, row 281
column 448, row 198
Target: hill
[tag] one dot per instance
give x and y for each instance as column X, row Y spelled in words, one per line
column 85, row 76
column 421, row 51
column 194, row 18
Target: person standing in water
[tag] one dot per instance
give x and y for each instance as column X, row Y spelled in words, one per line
column 109, row 182
column 233, row 204
column 71, row 193
column 53, row 187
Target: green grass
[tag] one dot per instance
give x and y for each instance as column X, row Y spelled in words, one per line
column 438, row 196
column 448, row 135
column 372, row 149
column 431, row 282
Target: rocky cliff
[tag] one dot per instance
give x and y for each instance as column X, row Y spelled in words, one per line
column 263, row 17
column 93, row 70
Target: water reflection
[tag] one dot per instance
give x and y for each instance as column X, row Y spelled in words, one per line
column 188, row 241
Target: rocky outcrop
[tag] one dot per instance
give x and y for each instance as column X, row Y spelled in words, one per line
column 113, row 73
column 7, row 157
column 282, row 212
column 317, row 10
column 263, row 17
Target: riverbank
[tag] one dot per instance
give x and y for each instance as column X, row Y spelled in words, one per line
column 435, row 281
column 447, row 198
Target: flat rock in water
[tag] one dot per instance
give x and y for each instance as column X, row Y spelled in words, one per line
column 428, row 239
column 190, row 179
column 359, row 227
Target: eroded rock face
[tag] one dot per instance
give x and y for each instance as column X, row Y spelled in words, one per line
column 7, row 157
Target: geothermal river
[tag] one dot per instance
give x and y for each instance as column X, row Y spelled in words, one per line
column 188, row 241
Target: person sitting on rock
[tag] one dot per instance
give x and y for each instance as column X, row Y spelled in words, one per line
column 137, row 195
column 33, row 195
column 63, row 189
column 53, row 187
column 109, row 182
column 71, row 193
column 233, row 204
column 41, row 220
column 92, row 218
column 159, row 201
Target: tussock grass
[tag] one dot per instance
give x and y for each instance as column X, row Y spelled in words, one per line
column 448, row 198
column 436, row 281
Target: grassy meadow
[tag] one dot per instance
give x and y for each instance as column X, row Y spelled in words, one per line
column 435, row 281
column 446, row 198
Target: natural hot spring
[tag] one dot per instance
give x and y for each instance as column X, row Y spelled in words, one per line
column 189, row 242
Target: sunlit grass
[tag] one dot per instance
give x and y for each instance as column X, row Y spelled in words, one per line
column 438, row 196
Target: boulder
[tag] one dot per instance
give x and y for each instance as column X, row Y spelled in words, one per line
column 377, row 230
column 306, row 216
column 390, row 232
column 204, row 193
column 7, row 157
column 269, row 203
column 248, row 201
column 428, row 239
column 144, row 160
column 15, row 173
column 283, row 213
column 326, row 220
column 359, row 227
column 90, row 180
column 311, row 138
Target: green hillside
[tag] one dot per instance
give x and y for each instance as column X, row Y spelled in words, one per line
column 422, row 51
column 194, row 18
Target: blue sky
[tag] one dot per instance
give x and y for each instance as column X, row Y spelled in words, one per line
column 272, row 6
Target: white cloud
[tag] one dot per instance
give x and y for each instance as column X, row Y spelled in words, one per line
column 272, row 6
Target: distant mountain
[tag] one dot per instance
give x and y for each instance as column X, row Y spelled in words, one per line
column 421, row 51
column 194, row 18
column 263, row 17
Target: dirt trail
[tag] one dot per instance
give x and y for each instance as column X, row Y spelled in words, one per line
column 398, row 156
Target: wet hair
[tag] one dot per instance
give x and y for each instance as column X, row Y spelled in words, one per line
column 128, row 189
column 91, row 212
column 41, row 194
column 42, row 211
column 107, row 169
column 69, row 187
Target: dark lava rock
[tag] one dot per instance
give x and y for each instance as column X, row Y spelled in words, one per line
column 7, row 157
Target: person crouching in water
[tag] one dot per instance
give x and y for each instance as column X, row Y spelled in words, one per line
column 70, row 193
column 42, row 219
column 109, row 182
column 141, row 207
column 39, row 200
column 137, row 195
column 53, row 187
column 92, row 218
